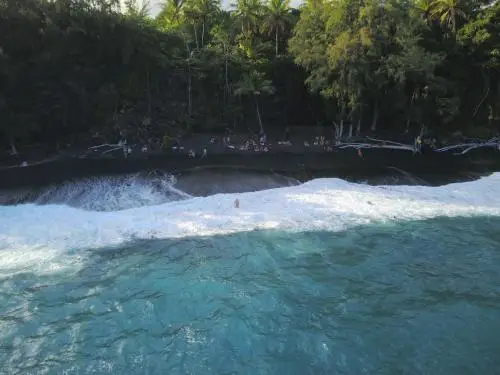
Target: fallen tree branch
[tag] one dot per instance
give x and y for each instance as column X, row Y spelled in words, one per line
column 105, row 145
column 370, row 145
column 111, row 150
column 493, row 142
column 382, row 141
column 452, row 147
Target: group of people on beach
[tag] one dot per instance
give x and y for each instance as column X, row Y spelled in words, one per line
column 248, row 145
column 262, row 145
column 192, row 153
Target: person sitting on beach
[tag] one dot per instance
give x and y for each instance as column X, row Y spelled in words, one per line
column 191, row 154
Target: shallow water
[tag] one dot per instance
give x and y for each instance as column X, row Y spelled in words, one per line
column 112, row 193
column 417, row 297
column 220, row 181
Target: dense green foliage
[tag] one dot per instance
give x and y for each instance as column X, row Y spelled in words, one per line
column 412, row 64
column 75, row 69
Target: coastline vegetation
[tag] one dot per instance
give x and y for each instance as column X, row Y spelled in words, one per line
column 75, row 70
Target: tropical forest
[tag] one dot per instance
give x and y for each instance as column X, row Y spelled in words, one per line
column 76, row 70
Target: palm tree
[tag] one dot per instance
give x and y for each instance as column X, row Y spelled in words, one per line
column 171, row 14
column 136, row 8
column 248, row 12
column 278, row 17
column 448, row 12
column 425, row 8
column 200, row 12
column 254, row 84
column 222, row 41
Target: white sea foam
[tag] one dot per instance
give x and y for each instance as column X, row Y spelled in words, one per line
column 103, row 193
column 31, row 233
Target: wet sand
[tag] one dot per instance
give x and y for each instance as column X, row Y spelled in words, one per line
column 375, row 164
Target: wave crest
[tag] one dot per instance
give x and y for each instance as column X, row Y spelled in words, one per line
column 103, row 193
column 323, row 204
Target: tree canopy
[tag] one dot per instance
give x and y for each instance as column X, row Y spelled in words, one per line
column 73, row 70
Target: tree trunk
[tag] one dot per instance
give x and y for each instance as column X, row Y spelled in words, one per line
column 188, row 52
column 189, row 85
column 189, row 93
column 487, row 83
column 350, row 130
column 375, row 118
column 149, row 92
column 13, row 149
column 203, row 35
column 358, row 126
column 277, row 39
column 453, row 21
column 339, row 130
column 227, row 72
column 196, row 37
column 409, row 112
column 258, row 115
column 226, row 85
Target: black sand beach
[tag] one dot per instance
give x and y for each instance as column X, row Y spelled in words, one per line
column 432, row 168
column 243, row 152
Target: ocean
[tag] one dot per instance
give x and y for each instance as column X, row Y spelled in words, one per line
column 126, row 276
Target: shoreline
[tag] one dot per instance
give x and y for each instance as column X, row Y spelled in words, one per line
column 440, row 168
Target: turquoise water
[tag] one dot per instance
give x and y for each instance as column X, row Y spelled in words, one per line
column 417, row 297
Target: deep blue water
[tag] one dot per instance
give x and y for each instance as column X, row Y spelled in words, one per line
column 417, row 297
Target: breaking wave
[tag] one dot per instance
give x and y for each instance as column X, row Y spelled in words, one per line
column 41, row 235
column 116, row 193
column 102, row 193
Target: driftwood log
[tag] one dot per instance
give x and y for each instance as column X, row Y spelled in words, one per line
column 464, row 148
